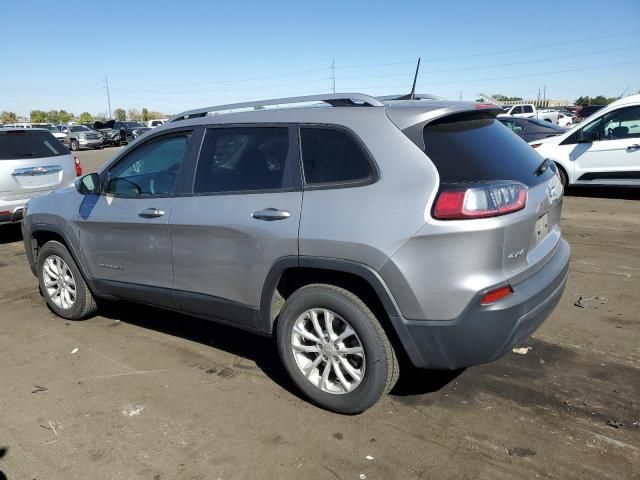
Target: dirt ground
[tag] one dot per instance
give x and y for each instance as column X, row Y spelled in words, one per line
column 139, row 393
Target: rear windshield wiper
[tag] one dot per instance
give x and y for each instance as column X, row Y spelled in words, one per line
column 546, row 163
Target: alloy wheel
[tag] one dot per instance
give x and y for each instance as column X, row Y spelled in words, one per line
column 59, row 283
column 327, row 351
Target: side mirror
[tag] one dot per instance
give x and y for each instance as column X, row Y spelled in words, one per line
column 589, row 137
column 89, row 184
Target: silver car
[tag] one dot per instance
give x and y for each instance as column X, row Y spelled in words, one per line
column 32, row 163
column 81, row 137
column 354, row 231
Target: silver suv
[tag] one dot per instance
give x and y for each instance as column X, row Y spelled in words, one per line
column 32, row 163
column 356, row 233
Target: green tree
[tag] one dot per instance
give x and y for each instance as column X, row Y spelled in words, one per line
column 599, row 100
column 134, row 115
column 38, row 116
column 53, row 116
column 120, row 114
column 65, row 117
column 503, row 98
column 85, row 117
column 7, row 117
column 145, row 115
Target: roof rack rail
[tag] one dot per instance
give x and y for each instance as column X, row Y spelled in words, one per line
column 407, row 96
column 333, row 99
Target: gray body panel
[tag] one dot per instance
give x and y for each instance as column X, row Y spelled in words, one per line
column 220, row 250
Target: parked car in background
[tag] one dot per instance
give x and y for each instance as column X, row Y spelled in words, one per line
column 204, row 215
column 565, row 119
column 586, row 111
column 531, row 129
column 47, row 126
column 529, row 110
column 80, row 137
column 603, row 150
column 157, row 122
column 54, row 131
column 32, row 163
column 129, row 131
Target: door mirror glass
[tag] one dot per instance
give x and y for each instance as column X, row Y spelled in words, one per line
column 89, row 184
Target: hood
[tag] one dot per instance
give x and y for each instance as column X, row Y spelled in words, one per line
column 97, row 125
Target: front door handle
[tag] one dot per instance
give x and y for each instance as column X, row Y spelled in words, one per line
column 151, row 213
column 270, row 214
column 633, row 147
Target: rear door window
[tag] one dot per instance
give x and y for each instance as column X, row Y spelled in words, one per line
column 527, row 109
column 331, row 156
column 29, row 143
column 476, row 147
column 244, row 159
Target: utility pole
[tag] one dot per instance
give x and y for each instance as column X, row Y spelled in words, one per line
column 544, row 93
column 106, row 82
column 333, row 75
column 460, row 95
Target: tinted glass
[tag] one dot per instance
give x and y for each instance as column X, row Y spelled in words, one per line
column 332, row 156
column 513, row 126
column 621, row 124
column 527, row 108
column 79, row 128
column 516, row 110
column 474, row 147
column 243, row 159
column 29, row 144
column 151, row 169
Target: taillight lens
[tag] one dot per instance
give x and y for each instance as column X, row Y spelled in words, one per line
column 480, row 201
column 535, row 145
column 76, row 161
column 497, row 294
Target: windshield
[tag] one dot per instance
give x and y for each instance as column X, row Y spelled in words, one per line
column 79, row 128
column 29, row 144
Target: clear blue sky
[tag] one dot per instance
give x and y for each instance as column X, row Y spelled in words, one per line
column 169, row 56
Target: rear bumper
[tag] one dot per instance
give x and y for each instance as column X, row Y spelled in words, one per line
column 484, row 333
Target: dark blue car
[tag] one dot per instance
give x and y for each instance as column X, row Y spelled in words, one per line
column 531, row 129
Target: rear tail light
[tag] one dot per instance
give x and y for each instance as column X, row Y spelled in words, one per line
column 497, row 294
column 480, row 201
column 536, row 145
column 76, row 161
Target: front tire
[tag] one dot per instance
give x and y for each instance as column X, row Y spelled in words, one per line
column 335, row 349
column 75, row 146
column 61, row 283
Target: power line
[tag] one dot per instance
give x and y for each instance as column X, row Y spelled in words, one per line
column 495, row 65
column 450, row 82
column 497, row 52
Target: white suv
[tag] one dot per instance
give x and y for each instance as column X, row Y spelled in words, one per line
column 602, row 150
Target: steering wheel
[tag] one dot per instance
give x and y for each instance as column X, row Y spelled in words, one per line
column 610, row 132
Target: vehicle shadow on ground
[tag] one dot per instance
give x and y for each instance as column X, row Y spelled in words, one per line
column 619, row 193
column 245, row 345
column 261, row 350
column 10, row 233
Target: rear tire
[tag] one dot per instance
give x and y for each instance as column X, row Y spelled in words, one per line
column 362, row 366
column 62, row 284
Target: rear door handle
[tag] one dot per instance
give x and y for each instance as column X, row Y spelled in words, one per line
column 633, row 147
column 151, row 213
column 271, row 214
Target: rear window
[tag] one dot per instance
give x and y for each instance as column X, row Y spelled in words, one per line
column 475, row 147
column 29, row 144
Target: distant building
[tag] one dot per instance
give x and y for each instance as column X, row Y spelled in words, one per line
column 539, row 103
